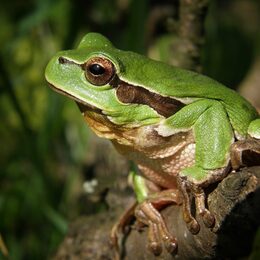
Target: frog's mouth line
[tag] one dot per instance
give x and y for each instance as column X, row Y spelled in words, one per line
column 83, row 106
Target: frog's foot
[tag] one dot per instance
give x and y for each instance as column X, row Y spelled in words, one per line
column 245, row 153
column 192, row 181
column 187, row 187
column 148, row 213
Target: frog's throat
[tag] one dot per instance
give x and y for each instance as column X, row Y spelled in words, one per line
column 104, row 128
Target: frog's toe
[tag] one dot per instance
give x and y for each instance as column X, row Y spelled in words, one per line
column 193, row 227
column 155, row 248
column 154, row 244
column 200, row 198
column 200, row 201
column 171, row 245
column 159, row 236
column 191, row 222
column 208, row 218
column 170, row 241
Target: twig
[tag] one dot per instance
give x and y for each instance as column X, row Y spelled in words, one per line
column 250, row 86
column 3, row 247
column 185, row 52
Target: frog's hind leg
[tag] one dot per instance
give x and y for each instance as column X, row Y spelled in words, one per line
column 147, row 212
column 214, row 136
column 245, row 153
column 196, row 190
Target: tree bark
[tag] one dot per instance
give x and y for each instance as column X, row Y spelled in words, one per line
column 250, row 86
column 235, row 203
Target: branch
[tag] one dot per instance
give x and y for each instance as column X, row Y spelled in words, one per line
column 3, row 248
column 250, row 86
column 185, row 52
column 235, row 203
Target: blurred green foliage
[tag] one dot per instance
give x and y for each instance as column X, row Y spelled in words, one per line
column 44, row 140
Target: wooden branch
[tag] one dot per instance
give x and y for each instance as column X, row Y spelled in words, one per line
column 235, row 203
column 185, row 51
column 3, row 248
column 250, row 86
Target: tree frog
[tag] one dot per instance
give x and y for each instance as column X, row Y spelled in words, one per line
column 184, row 131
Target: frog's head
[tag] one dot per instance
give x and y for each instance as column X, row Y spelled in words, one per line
column 104, row 80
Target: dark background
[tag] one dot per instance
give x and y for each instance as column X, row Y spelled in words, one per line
column 46, row 150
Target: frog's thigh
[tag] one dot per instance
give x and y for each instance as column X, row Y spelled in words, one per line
column 213, row 135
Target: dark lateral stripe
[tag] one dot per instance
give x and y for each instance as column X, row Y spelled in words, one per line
column 130, row 94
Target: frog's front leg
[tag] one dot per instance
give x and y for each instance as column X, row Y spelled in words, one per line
column 213, row 137
column 192, row 188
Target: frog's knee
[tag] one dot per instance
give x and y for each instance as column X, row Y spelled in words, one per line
column 254, row 128
column 194, row 173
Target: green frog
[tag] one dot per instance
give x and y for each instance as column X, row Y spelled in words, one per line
column 184, row 131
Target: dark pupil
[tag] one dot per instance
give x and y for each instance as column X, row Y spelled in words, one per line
column 96, row 69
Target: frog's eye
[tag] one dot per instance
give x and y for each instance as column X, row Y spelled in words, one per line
column 99, row 71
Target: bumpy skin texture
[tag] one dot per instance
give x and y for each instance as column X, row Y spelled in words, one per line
column 176, row 125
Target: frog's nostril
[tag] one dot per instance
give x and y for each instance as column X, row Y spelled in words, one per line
column 62, row 60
